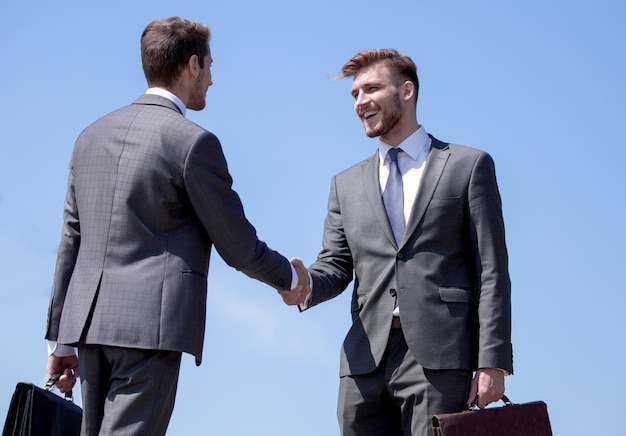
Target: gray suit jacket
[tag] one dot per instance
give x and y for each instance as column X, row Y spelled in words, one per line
column 149, row 194
column 450, row 272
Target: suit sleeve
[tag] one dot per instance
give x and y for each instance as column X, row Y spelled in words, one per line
column 209, row 186
column 332, row 271
column 491, row 263
column 66, row 260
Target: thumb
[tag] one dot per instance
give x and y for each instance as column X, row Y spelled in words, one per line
column 472, row 398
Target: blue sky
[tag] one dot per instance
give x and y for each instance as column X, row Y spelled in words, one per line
column 539, row 85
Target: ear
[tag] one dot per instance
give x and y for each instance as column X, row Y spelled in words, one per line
column 408, row 88
column 193, row 66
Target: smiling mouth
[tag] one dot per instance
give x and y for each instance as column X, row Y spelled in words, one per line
column 369, row 114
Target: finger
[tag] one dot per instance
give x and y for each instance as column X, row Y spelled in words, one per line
column 485, row 400
column 483, row 396
column 292, row 300
column 65, row 383
column 295, row 299
column 473, row 394
column 472, row 400
column 287, row 299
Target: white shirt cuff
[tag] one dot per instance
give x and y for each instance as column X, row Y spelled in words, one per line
column 294, row 277
column 60, row 350
column 307, row 301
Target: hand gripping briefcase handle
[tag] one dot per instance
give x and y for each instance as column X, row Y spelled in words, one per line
column 54, row 378
column 510, row 420
column 35, row 411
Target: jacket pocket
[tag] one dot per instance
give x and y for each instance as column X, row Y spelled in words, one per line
column 456, row 295
column 444, row 201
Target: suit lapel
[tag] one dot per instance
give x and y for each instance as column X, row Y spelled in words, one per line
column 435, row 164
column 371, row 182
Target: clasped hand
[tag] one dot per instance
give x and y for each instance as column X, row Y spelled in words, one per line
column 298, row 294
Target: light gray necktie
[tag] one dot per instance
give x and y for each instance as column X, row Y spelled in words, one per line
column 393, row 197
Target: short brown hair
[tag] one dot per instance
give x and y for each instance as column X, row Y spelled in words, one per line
column 168, row 44
column 401, row 67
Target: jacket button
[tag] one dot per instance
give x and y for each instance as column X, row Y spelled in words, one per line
column 400, row 256
column 392, row 292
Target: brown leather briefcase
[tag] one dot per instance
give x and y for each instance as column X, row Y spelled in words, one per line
column 528, row 419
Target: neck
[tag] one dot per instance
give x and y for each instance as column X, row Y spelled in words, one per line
column 179, row 89
column 399, row 133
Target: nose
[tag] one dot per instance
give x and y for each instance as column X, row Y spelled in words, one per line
column 359, row 101
column 359, row 98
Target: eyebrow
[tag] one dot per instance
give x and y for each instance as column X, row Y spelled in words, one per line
column 367, row 85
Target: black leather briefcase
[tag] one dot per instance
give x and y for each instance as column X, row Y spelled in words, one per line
column 528, row 419
column 36, row 411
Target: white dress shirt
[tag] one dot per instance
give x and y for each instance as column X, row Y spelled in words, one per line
column 411, row 162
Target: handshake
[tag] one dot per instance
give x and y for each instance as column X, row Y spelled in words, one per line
column 298, row 295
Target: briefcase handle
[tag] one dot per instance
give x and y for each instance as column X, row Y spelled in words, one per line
column 504, row 399
column 52, row 381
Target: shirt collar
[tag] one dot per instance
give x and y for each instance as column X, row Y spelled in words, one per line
column 417, row 143
column 171, row 97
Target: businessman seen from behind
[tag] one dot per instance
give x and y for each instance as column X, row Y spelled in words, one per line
column 149, row 195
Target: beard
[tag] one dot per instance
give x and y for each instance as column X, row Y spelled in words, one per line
column 197, row 99
column 388, row 120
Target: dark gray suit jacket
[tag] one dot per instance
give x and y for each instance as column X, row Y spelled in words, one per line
column 149, row 194
column 450, row 272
